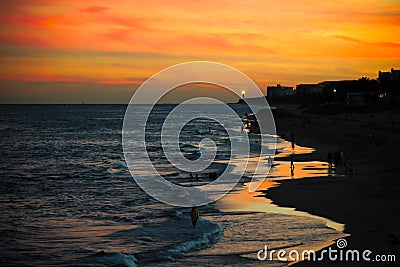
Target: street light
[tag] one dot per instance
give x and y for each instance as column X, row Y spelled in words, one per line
column 243, row 93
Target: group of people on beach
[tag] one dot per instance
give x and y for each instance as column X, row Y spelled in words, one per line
column 336, row 159
column 211, row 175
column 379, row 141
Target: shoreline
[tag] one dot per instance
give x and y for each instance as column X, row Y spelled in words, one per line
column 240, row 209
column 366, row 202
column 259, row 210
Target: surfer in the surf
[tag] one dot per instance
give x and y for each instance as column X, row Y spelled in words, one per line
column 194, row 214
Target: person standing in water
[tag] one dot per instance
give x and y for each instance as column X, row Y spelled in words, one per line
column 270, row 161
column 292, row 139
column 194, row 214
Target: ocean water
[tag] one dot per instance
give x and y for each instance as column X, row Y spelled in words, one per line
column 67, row 197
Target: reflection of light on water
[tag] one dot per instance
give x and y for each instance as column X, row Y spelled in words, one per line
column 286, row 150
column 301, row 170
column 66, row 234
column 243, row 200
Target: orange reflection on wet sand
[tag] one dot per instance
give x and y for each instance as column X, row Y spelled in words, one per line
column 243, row 200
column 300, row 170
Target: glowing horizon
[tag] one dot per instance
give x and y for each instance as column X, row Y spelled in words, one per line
column 100, row 51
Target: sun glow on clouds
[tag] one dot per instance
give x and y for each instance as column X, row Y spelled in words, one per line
column 123, row 42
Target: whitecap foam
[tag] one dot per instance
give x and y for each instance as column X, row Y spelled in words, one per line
column 173, row 237
column 115, row 258
column 204, row 240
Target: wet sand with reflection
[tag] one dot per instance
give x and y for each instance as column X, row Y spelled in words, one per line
column 242, row 200
column 251, row 221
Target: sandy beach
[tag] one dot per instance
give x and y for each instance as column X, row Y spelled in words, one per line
column 366, row 202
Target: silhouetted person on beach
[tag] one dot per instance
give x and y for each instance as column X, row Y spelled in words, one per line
column 330, row 159
column 341, row 157
column 338, row 158
column 194, row 215
column 348, row 167
column 292, row 139
column 270, row 161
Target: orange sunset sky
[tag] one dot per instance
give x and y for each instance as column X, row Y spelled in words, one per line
column 68, row 51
